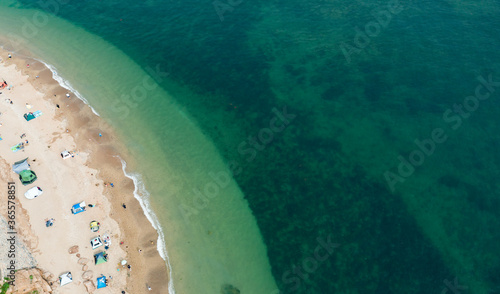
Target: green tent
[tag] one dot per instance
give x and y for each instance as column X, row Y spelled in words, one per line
column 27, row 177
column 100, row 257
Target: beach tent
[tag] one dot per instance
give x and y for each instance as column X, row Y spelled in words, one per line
column 27, row 177
column 21, row 165
column 33, row 193
column 94, row 226
column 96, row 242
column 100, row 258
column 79, row 207
column 65, row 279
column 101, row 282
column 65, row 154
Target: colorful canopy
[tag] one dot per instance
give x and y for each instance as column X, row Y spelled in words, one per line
column 79, row 207
column 100, row 258
column 101, row 282
column 27, row 177
column 65, row 278
column 94, row 226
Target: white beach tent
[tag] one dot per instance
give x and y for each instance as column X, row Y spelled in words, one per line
column 96, row 242
column 65, row 154
column 65, row 279
column 33, row 193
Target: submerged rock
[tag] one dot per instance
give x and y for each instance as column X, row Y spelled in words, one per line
column 229, row 289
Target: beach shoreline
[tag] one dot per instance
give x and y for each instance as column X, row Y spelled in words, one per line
column 94, row 137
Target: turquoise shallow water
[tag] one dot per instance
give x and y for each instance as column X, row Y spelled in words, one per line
column 363, row 79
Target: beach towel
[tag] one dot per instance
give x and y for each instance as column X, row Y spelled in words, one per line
column 29, row 116
column 17, row 147
column 32, row 115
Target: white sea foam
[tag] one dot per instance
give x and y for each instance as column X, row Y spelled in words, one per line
column 142, row 195
column 66, row 85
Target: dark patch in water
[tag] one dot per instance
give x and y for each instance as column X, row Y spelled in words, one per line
column 229, row 289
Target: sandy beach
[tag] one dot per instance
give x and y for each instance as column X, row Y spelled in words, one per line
column 69, row 124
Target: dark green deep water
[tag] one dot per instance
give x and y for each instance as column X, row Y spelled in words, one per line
column 322, row 178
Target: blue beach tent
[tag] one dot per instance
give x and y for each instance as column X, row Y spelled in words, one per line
column 101, row 282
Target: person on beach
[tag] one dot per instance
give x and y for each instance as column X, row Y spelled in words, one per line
column 10, row 56
column 49, row 222
column 57, row 105
column 124, row 206
column 67, row 95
